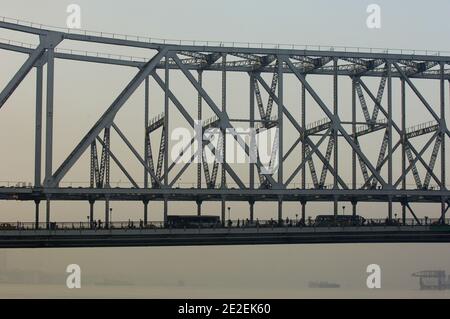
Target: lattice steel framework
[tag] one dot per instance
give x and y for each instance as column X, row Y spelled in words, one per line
column 193, row 62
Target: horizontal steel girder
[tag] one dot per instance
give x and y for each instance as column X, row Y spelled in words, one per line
column 232, row 194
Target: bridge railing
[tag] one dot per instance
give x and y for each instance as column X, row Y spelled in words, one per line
column 239, row 223
column 191, row 185
column 234, row 44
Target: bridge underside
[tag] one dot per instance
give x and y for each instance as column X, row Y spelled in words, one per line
column 231, row 194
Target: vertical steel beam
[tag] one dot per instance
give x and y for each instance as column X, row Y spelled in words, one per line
column 303, row 102
column 253, row 148
column 403, row 127
column 145, row 201
column 443, row 127
column 199, row 146
column 146, row 157
column 166, row 210
column 107, row 174
column 222, row 217
column 280, row 122
column 91, row 212
column 280, row 135
column 166, row 122
column 335, row 131
column 107, row 211
column 354, row 207
column 354, row 186
column 303, row 211
column 146, row 119
column 49, row 126
column 280, row 210
column 47, row 214
column 303, row 155
column 199, row 207
column 252, row 210
column 389, row 127
column 224, row 109
column 38, row 127
column 49, row 111
column 354, row 132
column 166, row 134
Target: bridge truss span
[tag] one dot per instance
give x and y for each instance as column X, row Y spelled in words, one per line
column 370, row 148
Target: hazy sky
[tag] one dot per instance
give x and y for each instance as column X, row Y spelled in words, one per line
column 83, row 91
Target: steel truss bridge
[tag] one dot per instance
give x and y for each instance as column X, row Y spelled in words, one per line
column 381, row 182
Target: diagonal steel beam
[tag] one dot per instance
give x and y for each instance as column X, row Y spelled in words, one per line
column 299, row 129
column 444, row 212
column 190, row 120
column 224, row 119
column 118, row 163
column 412, row 213
column 106, row 119
column 421, row 98
column 399, row 131
column 314, row 150
column 432, row 162
column 21, row 73
column 367, row 183
column 411, row 165
column 182, row 170
column 136, row 153
column 335, row 120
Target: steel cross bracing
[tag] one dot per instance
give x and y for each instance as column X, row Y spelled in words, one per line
column 380, row 178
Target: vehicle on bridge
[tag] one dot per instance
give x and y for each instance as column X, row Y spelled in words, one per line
column 192, row 221
column 339, row 220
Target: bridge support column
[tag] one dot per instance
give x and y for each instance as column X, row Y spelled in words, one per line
column 390, row 208
column 47, row 214
column 145, row 201
column 443, row 209
column 403, row 213
column 49, row 114
column 36, row 218
column 91, row 212
column 166, row 209
column 354, row 204
column 336, row 208
column 199, row 207
column 38, row 127
column 252, row 210
column 280, row 210
column 303, row 203
column 107, row 211
column 223, row 211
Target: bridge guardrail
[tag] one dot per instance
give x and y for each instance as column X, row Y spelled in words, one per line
column 234, row 44
column 235, row 224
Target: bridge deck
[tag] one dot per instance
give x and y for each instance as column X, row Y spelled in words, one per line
column 220, row 236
